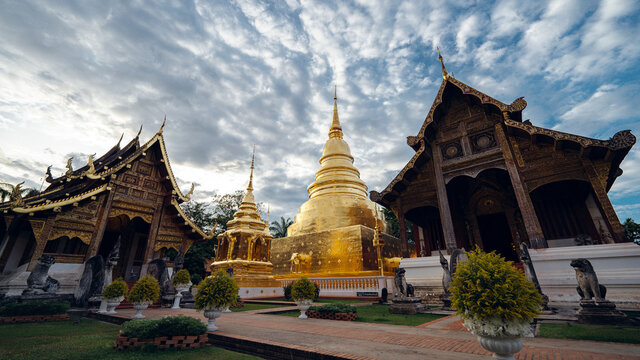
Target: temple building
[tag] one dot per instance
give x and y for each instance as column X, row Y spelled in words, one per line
column 244, row 248
column 483, row 176
column 129, row 193
column 332, row 237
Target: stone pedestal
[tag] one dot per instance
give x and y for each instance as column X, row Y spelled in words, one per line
column 446, row 301
column 603, row 312
column 407, row 305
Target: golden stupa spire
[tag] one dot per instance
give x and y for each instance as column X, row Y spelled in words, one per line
column 336, row 130
column 250, row 186
column 445, row 74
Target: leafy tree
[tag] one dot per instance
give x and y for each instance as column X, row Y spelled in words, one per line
column 6, row 190
column 632, row 230
column 391, row 219
column 206, row 215
column 279, row 228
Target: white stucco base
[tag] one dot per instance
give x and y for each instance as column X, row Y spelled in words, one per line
column 424, row 273
column 260, row 292
column 350, row 287
column 12, row 284
column 617, row 267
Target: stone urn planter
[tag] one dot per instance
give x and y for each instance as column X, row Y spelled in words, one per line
column 502, row 347
column 303, row 306
column 212, row 313
column 179, row 289
column 139, row 306
column 112, row 304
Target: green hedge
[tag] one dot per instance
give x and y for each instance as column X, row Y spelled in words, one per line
column 169, row 326
column 34, row 308
column 334, row 308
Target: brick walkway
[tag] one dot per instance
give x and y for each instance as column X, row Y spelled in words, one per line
column 355, row 340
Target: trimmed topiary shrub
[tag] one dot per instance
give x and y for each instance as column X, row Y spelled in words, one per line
column 216, row 291
column 493, row 297
column 34, row 308
column 287, row 292
column 146, row 289
column 303, row 289
column 182, row 277
column 168, row 326
column 116, row 289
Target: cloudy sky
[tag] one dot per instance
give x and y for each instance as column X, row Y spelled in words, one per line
column 74, row 75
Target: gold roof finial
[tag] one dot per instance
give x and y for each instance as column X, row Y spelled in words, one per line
column 188, row 196
column 140, row 131
column 163, row 122
column 336, row 130
column 445, row 74
column 120, row 140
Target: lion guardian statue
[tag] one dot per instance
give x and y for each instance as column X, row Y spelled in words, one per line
column 38, row 281
column 588, row 285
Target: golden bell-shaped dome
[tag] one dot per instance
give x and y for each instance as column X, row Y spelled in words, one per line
column 337, row 197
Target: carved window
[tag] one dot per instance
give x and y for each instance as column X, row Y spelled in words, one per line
column 452, row 150
column 482, row 141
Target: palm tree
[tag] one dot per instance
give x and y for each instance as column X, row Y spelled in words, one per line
column 6, row 190
column 279, row 228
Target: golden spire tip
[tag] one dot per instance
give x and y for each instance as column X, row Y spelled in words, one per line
column 445, row 74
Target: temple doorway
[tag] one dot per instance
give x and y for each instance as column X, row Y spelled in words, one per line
column 17, row 247
column 495, row 234
column 133, row 244
column 485, row 213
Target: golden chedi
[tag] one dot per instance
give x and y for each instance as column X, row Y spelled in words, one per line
column 333, row 232
column 244, row 247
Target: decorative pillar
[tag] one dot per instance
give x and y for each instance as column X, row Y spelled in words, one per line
column 153, row 233
column 42, row 235
column 416, row 239
column 529, row 217
column 443, row 202
column 101, row 226
column 600, row 190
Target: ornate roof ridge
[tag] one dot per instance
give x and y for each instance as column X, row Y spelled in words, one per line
column 190, row 222
column 60, row 202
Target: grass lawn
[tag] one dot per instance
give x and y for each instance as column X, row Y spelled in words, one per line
column 248, row 307
column 632, row 313
column 591, row 332
column 380, row 314
column 89, row 339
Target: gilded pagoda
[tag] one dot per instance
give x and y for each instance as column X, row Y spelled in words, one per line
column 481, row 175
column 333, row 233
column 245, row 249
column 129, row 193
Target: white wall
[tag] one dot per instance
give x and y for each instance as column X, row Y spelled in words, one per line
column 616, row 265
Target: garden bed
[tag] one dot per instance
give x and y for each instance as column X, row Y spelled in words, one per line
column 162, row 342
column 332, row 316
column 33, row 318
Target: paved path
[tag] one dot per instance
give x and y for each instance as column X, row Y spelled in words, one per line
column 438, row 339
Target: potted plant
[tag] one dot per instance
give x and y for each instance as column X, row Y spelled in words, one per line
column 215, row 293
column 145, row 291
column 496, row 302
column 303, row 291
column 181, row 282
column 114, row 293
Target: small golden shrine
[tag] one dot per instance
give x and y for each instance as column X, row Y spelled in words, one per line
column 333, row 232
column 244, row 247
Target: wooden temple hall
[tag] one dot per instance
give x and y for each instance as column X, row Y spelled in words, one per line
column 129, row 193
column 483, row 176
